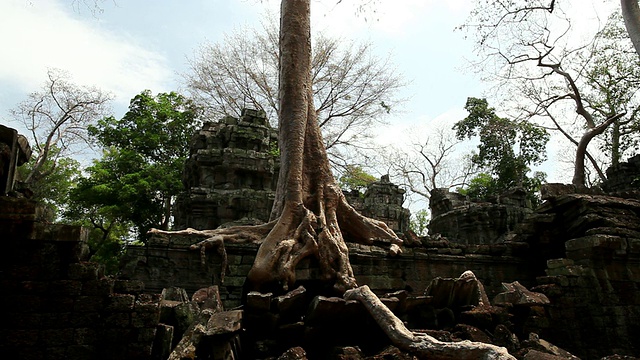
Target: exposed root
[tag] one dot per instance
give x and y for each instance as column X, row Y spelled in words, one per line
column 315, row 228
column 422, row 345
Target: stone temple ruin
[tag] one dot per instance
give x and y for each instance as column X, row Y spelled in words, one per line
column 500, row 272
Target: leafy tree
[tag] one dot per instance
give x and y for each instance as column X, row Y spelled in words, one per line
column 311, row 216
column 57, row 117
column 419, row 222
column 538, row 60
column 355, row 178
column 353, row 90
column 51, row 183
column 612, row 85
column 506, row 150
column 140, row 172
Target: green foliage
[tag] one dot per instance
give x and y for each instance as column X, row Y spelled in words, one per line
column 611, row 84
column 51, row 181
column 139, row 174
column 507, row 148
column 355, row 178
column 419, row 222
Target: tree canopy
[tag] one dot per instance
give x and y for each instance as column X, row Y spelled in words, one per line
column 353, row 90
column 539, row 62
column 57, row 117
column 140, row 172
column 507, row 148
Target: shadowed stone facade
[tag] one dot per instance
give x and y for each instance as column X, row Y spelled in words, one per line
column 230, row 173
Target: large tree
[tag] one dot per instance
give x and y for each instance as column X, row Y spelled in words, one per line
column 140, row 172
column 432, row 161
column 631, row 14
column 311, row 215
column 507, row 147
column 57, row 118
column 531, row 50
column 353, row 90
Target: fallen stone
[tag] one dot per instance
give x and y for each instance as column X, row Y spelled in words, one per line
column 293, row 304
column 259, row 301
column 516, row 294
column 224, row 323
column 175, row 294
column 455, row 293
column 468, row 332
column 535, row 343
column 296, row 353
column 208, row 298
column 323, row 309
column 502, row 336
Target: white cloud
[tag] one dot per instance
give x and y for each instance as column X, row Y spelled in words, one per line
column 45, row 34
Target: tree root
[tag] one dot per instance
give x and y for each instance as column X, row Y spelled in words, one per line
column 422, row 345
column 313, row 228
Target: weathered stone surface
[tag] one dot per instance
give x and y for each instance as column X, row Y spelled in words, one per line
column 518, row 295
column 471, row 222
column 175, row 294
column 259, row 301
column 293, row 304
column 455, row 293
column 14, row 151
column 382, row 200
column 542, row 346
column 230, row 173
column 224, row 322
column 296, row 353
column 208, row 298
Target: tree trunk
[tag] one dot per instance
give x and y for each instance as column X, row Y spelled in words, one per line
column 579, row 178
column 310, row 213
column 631, row 15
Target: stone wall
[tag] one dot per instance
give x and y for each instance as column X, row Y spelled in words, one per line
column 592, row 246
column 623, row 177
column 55, row 305
column 466, row 221
column 229, row 174
column 232, row 171
column 165, row 262
column 14, row 151
column 382, row 200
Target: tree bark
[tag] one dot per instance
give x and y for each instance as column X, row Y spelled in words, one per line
column 422, row 345
column 310, row 215
column 631, row 15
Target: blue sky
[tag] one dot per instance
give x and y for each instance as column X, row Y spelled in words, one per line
column 135, row 45
column 132, row 45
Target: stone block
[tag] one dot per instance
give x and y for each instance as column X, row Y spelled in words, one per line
column 66, row 288
column 101, row 287
column 208, row 298
column 80, row 352
column 117, row 320
column 145, row 319
column 120, row 303
column 57, row 337
column 85, row 336
column 85, row 271
column 224, row 322
column 258, row 301
column 88, row 304
column 556, row 263
column 162, row 343
column 85, row 319
column 128, row 286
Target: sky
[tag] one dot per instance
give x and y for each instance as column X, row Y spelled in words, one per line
column 132, row 45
